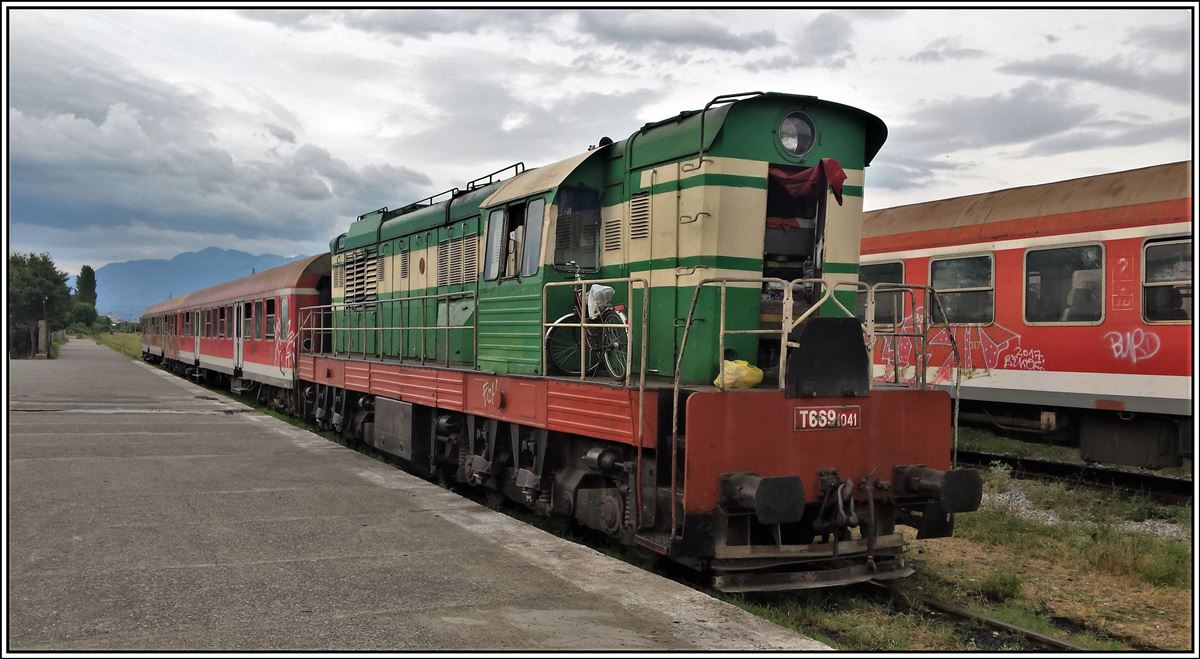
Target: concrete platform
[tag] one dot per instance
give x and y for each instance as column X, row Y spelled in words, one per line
column 145, row 512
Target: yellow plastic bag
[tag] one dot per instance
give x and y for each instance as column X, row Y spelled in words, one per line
column 739, row 374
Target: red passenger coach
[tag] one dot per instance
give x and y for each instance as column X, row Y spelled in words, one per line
column 245, row 329
column 1071, row 304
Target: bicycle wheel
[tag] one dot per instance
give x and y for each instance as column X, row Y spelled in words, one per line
column 614, row 342
column 562, row 348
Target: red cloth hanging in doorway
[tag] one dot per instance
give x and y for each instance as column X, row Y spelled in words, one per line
column 804, row 186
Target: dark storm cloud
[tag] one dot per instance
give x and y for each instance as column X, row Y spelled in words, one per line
column 93, row 144
column 824, row 42
column 1175, row 38
column 282, row 134
column 642, row 29
column 1118, row 72
column 945, row 49
column 1110, row 133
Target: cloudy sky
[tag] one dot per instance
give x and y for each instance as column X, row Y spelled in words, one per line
column 145, row 133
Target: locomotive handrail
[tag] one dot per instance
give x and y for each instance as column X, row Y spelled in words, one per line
column 583, row 325
column 722, row 99
column 379, row 306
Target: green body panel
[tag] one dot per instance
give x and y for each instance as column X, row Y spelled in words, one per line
column 507, row 313
column 364, row 231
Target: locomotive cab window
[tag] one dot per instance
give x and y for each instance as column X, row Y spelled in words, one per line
column 1167, row 281
column 886, row 303
column 506, row 234
column 1064, row 285
column 577, row 230
column 531, row 256
column 965, row 288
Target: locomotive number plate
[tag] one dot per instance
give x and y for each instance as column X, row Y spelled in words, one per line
column 827, row 418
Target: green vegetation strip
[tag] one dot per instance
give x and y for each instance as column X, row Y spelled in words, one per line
column 127, row 344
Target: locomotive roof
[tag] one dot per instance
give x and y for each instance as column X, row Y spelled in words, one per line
column 670, row 139
column 978, row 216
column 301, row 273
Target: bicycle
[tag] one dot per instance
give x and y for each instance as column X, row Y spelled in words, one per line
column 605, row 344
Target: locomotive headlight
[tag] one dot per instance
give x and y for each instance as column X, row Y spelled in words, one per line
column 796, row 134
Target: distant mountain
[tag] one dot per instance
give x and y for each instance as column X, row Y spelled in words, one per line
column 125, row 289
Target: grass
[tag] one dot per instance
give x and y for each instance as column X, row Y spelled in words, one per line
column 54, row 346
column 1102, row 548
column 128, row 344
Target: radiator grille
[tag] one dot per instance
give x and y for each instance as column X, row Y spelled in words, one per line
column 361, row 275
column 639, row 216
column 612, row 233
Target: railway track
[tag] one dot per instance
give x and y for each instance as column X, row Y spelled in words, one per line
column 1169, row 489
column 1035, row 637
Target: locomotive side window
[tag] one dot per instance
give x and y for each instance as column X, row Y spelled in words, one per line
column 531, row 258
column 1064, row 285
column 577, row 232
column 1167, row 281
column 965, row 287
column 495, row 233
column 886, row 304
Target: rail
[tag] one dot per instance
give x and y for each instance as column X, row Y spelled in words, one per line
column 633, row 283
column 317, row 327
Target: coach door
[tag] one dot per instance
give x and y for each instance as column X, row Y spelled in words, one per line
column 239, row 334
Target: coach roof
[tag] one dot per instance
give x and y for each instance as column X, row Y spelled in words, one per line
column 301, row 273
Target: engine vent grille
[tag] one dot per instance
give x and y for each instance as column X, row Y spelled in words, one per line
column 639, row 216
column 361, row 275
column 404, row 264
column 612, row 233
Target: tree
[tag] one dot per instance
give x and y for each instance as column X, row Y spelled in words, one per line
column 36, row 290
column 82, row 313
column 85, row 285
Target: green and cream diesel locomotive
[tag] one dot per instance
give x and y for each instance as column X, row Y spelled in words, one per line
column 560, row 337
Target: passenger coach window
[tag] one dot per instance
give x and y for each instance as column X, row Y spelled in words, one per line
column 283, row 317
column 270, row 331
column 531, row 259
column 221, row 322
column 1167, row 282
column 1064, row 285
column 886, row 303
column 247, row 320
column 965, row 288
column 258, row 319
column 577, row 233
